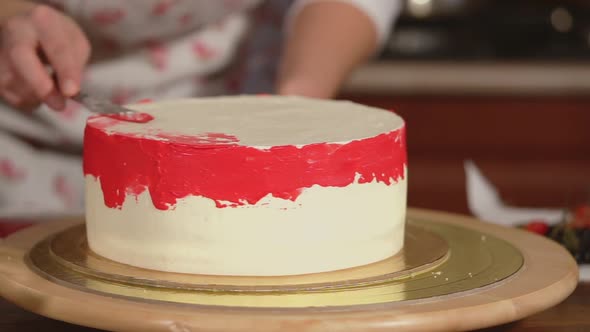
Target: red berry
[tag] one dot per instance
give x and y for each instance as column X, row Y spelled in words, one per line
column 583, row 211
column 7, row 228
column 537, row 226
column 581, row 217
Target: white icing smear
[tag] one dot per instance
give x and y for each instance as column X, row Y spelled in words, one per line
column 264, row 121
column 325, row 229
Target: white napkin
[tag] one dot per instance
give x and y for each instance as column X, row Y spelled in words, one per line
column 485, row 203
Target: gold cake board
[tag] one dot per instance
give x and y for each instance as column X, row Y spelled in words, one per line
column 455, row 273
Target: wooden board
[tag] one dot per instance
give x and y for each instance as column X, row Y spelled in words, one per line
column 548, row 276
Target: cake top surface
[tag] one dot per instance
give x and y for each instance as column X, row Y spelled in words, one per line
column 260, row 121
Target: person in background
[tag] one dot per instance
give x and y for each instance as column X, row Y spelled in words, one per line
column 132, row 50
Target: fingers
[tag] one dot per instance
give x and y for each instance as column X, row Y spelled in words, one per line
column 14, row 91
column 19, row 95
column 55, row 100
column 28, row 40
column 6, row 75
column 20, row 50
column 66, row 50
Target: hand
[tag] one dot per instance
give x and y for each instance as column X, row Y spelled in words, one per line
column 32, row 38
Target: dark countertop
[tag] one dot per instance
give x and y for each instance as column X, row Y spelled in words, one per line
column 470, row 78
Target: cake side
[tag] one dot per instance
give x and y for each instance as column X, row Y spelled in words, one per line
column 205, row 202
column 325, row 229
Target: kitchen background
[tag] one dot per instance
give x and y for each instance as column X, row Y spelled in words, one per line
column 503, row 83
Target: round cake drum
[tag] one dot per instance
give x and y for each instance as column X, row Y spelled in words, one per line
column 455, row 273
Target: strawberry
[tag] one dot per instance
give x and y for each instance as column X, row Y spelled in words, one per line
column 537, row 226
column 581, row 217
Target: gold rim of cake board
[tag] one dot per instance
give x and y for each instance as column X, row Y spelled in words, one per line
column 423, row 251
column 473, row 260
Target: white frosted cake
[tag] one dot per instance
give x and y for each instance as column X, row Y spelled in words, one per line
column 258, row 186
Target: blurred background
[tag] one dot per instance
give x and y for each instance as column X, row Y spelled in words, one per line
column 503, row 83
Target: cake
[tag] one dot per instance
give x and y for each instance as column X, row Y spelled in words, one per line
column 247, row 186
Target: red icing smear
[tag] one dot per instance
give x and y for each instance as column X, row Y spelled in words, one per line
column 132, row 117
column 233, row 175
column 204, row 141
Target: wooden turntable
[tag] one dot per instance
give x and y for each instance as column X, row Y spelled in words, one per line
column 455, row 273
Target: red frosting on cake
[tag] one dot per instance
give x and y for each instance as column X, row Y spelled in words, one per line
column 217, row 167
column 132, row 117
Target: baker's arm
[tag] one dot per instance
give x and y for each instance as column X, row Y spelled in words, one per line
column 327, row 39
